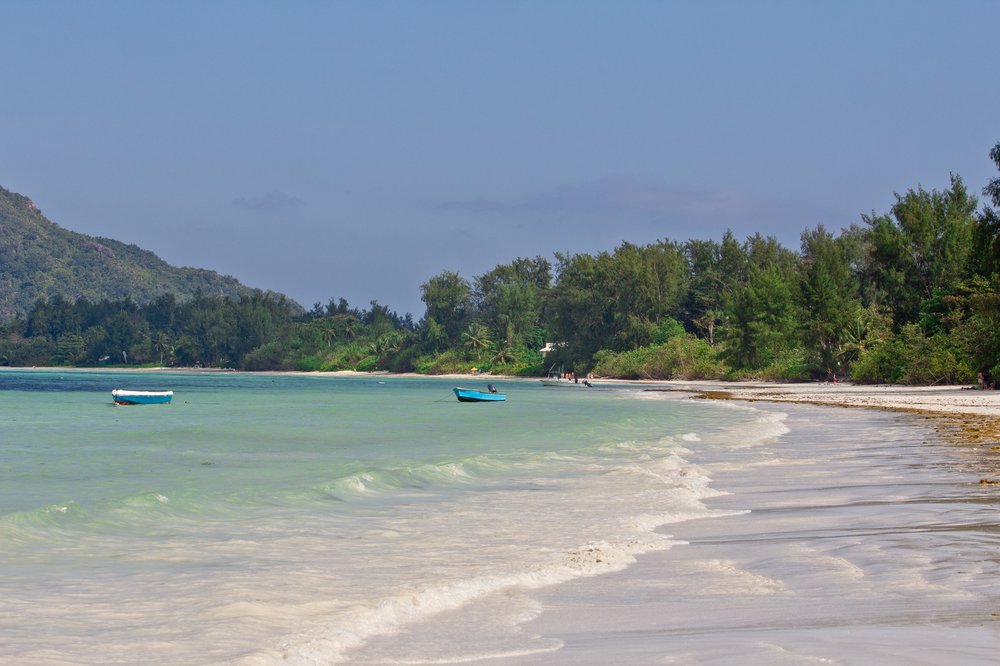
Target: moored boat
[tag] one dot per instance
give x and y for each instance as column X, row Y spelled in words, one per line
column 473, row 395
column 126, row 397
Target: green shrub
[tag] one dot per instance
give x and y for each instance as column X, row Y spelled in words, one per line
column 882, row 363
column 791, row 365
column 367, row 364
column 269, row 356
column 404, row 361
column 346, row 357
column 667, row 329
column 934, row 361
column 309, row 364
column 910, row 357
column 680, row 357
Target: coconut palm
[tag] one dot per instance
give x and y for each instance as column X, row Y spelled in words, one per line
column 869, row 326
column 503, row 351
column 163, row 344
column 477, row 338
column 390, row 343
column 328, row 334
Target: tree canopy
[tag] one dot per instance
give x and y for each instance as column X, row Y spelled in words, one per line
column 909, row 295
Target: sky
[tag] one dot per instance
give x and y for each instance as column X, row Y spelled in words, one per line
column 354, row 150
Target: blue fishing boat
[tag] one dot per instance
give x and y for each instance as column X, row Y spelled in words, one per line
column 472, row 395
column 125, row 397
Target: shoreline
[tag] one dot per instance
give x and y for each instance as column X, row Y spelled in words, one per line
column 950, row 399
column 958, row 414
column 832, row 525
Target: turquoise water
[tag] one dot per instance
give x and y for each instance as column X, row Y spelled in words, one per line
column 291, row 519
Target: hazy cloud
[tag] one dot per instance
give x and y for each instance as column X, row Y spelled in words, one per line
column 273, row 200
column 626, row 196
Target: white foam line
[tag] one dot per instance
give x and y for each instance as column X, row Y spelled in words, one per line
column 468, row 659
column 357, row 626
column 331, row 644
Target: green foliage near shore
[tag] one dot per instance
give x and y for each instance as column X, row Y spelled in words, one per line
column 908, row 296
column 681, row 357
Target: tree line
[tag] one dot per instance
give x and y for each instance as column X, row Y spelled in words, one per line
column 911, row 295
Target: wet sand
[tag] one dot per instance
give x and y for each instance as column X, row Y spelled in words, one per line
column 867, row 539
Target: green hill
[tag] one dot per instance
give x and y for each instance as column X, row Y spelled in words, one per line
column 40, row 259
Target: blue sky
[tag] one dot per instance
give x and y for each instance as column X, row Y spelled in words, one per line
column 355, row 149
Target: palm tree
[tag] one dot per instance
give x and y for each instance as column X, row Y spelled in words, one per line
column 162, row 344
column 869, row 327
column 349, row 328
column 328, row 334
column 390, row 343
column 477, row 338
column 503, row 352
column 708, row 321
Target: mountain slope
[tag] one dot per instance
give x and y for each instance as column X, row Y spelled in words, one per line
column 40, row 259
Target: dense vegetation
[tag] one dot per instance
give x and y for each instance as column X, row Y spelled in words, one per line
column 908, row 296
column 40, row 259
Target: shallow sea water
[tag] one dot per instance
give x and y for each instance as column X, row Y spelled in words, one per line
column 293, row 519
column 316, row 520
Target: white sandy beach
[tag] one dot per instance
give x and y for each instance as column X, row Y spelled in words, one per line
column 946, row 399
column 959, row 413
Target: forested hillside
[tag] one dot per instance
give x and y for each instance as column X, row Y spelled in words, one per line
column 910, row 295
column 41, row 260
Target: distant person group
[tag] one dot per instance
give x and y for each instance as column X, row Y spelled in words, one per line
column 982, row 384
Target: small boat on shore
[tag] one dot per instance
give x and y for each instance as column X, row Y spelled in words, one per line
column 126, row 397
column 472, row 395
